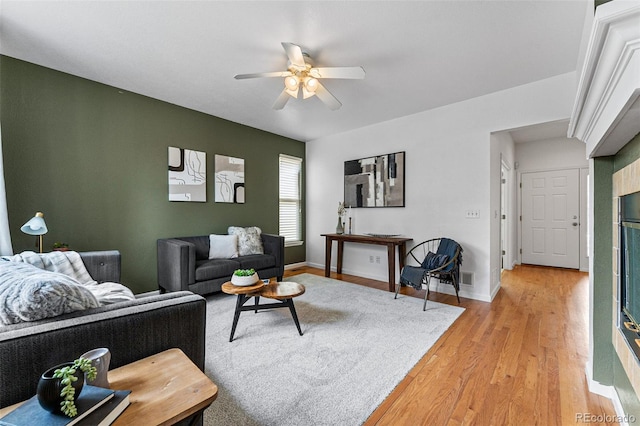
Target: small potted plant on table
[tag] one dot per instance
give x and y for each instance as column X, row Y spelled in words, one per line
column 59, row 386
column 244, row 277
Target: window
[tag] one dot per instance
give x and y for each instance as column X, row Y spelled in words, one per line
column 290, row 200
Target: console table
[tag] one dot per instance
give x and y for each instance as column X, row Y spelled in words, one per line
column 390, row 242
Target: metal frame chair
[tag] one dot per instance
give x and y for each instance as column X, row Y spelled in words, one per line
column 419, row 252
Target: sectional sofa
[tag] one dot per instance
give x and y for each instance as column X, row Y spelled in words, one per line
column 131, row 330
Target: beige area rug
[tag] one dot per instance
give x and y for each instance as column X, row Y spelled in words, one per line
column 358, row 344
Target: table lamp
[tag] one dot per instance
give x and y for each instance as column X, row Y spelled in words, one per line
column 36, row 226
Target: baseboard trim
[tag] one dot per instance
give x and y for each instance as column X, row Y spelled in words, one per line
column 295, row 265
column 608, row 392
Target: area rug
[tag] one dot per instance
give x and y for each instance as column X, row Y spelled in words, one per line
column 358, row 344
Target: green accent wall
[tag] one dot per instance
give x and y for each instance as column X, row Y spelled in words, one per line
column 607, row 368
column 628, row 154
column 603, row 351
column 93, row 159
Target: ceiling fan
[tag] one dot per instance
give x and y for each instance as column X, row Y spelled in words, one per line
column 302, row 77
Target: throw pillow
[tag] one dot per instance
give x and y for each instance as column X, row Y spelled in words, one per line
column 30, row 294
column 434, row 261
column 249, row 240
column 223, row 246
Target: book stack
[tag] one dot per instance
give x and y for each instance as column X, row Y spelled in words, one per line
column 96, row 407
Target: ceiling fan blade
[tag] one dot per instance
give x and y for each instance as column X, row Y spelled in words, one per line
column 294, row 53
column 338, row 72
column 263, row 74
column 282, row 100
column 327, row 98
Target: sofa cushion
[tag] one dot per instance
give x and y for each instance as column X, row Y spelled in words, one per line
column 249, row 240
column 257, row 261
column 201, row 244
column 215, row 268
column 223, row 246
column 28, row 293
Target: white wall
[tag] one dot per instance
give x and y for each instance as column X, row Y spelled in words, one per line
column 449, row 167
column 503, row 152
column 551, row 154
column 557, row 154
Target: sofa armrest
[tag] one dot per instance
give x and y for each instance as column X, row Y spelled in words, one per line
column 103, row 266
column 274, row 245
column 176, row 264
column 131, row 331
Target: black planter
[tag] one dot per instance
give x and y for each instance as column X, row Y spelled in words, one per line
column 49, row 388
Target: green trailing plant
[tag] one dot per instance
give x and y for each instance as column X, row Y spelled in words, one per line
column 244, row 272
column 67, row 377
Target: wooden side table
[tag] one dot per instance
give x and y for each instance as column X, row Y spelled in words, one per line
column 165, row 389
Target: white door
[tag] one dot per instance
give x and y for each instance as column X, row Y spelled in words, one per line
column 550, row 218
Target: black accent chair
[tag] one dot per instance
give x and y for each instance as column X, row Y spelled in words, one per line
column 437, row 258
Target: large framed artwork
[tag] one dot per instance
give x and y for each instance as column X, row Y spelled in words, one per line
column 229, row 179
column 187, row 175
column 375, row 181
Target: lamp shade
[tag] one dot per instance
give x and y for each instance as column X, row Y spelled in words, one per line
column 311, row 84
column 35, row 226
column 291, row 82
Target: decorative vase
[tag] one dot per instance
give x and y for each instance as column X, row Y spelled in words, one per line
column 100, row 359
column 49, row 388
column 339, row 228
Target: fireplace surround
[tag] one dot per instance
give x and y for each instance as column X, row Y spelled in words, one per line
column 628, row 265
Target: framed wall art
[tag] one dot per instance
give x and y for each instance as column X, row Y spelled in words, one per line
column 375, row 181
column 229, row 179
column 187, row 175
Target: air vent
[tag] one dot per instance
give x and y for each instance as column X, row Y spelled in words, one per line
column 466, row 278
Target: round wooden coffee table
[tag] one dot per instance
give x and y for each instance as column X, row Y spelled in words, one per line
column 284, row 292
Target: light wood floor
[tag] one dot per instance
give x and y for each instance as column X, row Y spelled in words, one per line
column 519, row 360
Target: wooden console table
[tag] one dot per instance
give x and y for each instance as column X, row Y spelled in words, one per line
column 390, row 242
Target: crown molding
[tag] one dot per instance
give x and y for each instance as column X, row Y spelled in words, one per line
column 606, row 112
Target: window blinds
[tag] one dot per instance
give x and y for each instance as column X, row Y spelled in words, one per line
column 290, row 199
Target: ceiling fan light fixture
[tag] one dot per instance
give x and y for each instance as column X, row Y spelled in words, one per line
column 302, row 78
column 292, row 83
column 306, row 94
column 311, row 84
column 292, row 93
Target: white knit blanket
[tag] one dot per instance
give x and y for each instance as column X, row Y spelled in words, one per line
column 30, row 294
column 70, row 263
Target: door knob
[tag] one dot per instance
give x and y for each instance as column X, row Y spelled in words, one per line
column 575, row 223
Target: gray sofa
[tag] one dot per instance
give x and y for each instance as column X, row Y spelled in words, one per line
column 131, row 330
column 184, row 264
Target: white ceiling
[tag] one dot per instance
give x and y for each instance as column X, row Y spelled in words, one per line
column 418, row 55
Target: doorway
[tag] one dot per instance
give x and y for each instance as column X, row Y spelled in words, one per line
column 550, row 218
column 505, row 252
